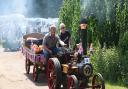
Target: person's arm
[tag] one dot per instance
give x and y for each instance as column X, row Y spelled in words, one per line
column 69, row 39
column 70, row 42
column 46, row 48
column 61, row 42
column 45, row 45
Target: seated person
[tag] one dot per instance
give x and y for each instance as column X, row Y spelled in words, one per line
column 50, row 41
column 64, row 34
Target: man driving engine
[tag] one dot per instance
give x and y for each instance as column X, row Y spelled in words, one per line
column 50, row 41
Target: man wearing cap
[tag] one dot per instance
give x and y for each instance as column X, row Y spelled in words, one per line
column 50, row 41
column 64, row 35
column 83, row 34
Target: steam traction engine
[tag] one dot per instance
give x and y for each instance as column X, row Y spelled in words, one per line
column 68, row 71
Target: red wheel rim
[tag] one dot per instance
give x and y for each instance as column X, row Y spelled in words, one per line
column 71, row 83
column 35, row 73
column 51, row 76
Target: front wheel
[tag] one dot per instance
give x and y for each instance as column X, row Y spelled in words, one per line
column 98, row 82
column 72, row 82
column 54, row 73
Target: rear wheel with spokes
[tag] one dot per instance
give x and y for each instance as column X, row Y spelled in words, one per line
column 27, row 65
column 35, row 72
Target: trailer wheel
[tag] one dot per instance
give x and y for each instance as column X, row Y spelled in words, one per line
column 27, row 65
column 35, row 73
column 98, row 82
column 72, row 82
column 54, row 73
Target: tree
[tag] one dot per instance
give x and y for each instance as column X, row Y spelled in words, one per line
column 70, row 15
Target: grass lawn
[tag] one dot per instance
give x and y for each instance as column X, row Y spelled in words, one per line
column 114, row 86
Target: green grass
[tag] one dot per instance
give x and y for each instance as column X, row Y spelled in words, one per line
column 114, row 86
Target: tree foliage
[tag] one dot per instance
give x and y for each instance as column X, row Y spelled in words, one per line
column 108, row 20
column 70, row 15
column 109, row 25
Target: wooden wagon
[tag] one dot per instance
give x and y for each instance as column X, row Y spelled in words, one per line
column 32, row 50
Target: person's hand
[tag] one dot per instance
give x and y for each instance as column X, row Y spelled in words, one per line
column 65, row 45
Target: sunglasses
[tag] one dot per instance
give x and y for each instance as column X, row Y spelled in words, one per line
column 62, row 27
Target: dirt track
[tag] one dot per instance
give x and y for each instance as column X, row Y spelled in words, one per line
column 12, row 73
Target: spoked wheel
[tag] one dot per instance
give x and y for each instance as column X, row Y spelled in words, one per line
column 54, row 74
column 72, row 82
column 98, row 82
column 35, row 73
column 27, row 65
